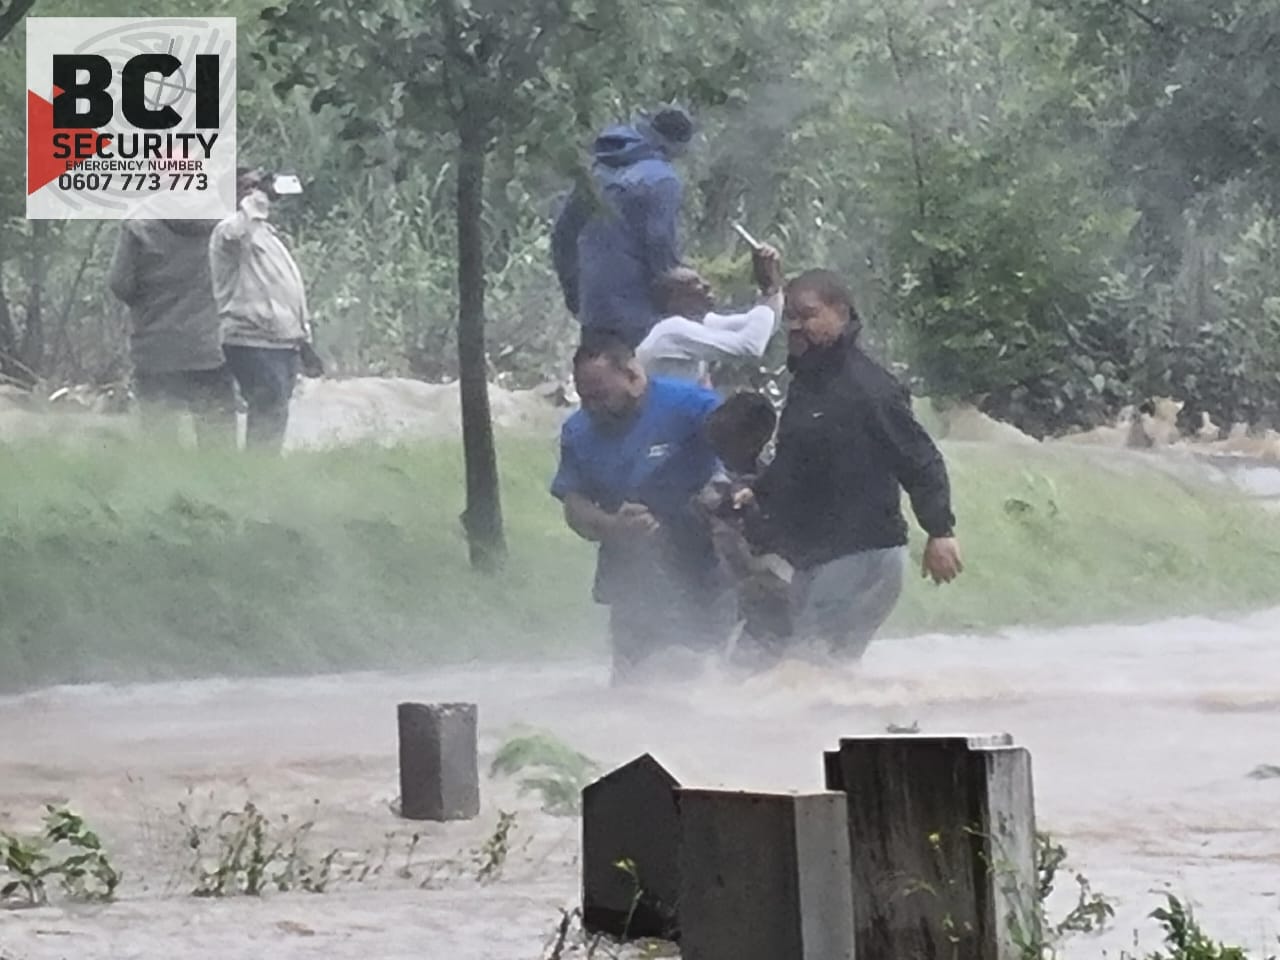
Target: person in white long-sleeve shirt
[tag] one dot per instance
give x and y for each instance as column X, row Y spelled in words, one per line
column 692, row 336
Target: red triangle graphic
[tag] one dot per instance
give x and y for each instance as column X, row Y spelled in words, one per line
column 42, row 166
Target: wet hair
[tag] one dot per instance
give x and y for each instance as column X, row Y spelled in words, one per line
column 603, row 345
column 671, row 284
column 250, row 175
column 830, row 289
column 674, row 124
column 744, row 415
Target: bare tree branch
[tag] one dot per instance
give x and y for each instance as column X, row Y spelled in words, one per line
column 12, row 15
column 63, row 333
column 1145, row 17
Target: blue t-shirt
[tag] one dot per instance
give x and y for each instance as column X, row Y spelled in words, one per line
column 661, row 459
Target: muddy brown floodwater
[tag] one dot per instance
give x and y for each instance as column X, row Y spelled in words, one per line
column 1143, row 740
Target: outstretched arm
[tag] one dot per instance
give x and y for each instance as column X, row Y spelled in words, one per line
column 719, row 336
column 756, row 327
column 753, row 330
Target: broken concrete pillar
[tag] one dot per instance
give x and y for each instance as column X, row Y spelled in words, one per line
column 942, row 839
column 630, row 833
column 764, row 876
column 439, row 761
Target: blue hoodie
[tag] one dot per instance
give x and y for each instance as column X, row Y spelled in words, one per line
column 607, row 260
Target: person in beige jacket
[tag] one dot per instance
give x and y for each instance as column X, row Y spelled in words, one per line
column 262, row 303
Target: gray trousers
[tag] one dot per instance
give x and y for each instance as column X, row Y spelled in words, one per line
column 840, row 605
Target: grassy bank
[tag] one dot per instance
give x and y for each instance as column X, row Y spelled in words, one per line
column 131, row 563
column 126, row 563
column 1053, row 536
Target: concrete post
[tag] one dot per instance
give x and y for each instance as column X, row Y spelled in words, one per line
column 630, row 815
column 439, row 761
column 942, row 840
column 764, row 876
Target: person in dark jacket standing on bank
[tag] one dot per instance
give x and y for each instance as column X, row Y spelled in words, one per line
column 848, row 443
column 160, row 270
column 616, row 235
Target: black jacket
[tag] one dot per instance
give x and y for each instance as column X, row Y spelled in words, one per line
column 848, row 443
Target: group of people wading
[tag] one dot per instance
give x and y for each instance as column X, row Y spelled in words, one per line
column 705, row 541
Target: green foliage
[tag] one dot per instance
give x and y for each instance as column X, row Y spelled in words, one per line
column 491, row 857
column 628, row 867
column 67, row 850
column 244, row 853
column 1186, row 940
column 1211, row 332
column 1052, row 209
column 1092, row 911
column 27, row 863
column 552, row 769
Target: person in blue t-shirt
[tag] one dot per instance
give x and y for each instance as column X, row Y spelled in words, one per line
column 632, row 460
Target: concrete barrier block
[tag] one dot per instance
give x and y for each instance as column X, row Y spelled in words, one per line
column 629, row 815
column 942, row 841
column 764, row 876
column 439, row 761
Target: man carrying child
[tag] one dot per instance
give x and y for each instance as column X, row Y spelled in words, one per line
column 829, row 501
column 739, row 430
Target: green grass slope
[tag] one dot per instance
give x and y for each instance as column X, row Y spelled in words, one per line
column 123, row 562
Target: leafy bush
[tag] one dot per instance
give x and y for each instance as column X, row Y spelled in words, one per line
column 67, row 850
column 553, row 769
column 1186, row 940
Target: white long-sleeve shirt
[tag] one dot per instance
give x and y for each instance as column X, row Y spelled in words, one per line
column 680, row 347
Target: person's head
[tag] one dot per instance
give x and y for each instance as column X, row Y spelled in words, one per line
column 739, row 429
column 682, row 292
column 247, row 180
column 670, row 128
column 818, row 312
column 609, row 380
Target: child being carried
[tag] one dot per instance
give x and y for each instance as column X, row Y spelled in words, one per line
column 738, row 431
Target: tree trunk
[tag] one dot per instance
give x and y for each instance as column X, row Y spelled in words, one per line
column 721, row 189
column 8, row 335
column 11, row 15
column 33, row 328
column 10, row 368
column 483, row 516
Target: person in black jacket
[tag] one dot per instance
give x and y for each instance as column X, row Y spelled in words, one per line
column 848, row 443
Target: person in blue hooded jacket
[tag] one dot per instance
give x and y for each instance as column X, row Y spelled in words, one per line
column 612, row 240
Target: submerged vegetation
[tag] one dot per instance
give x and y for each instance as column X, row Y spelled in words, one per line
column 68, row 851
